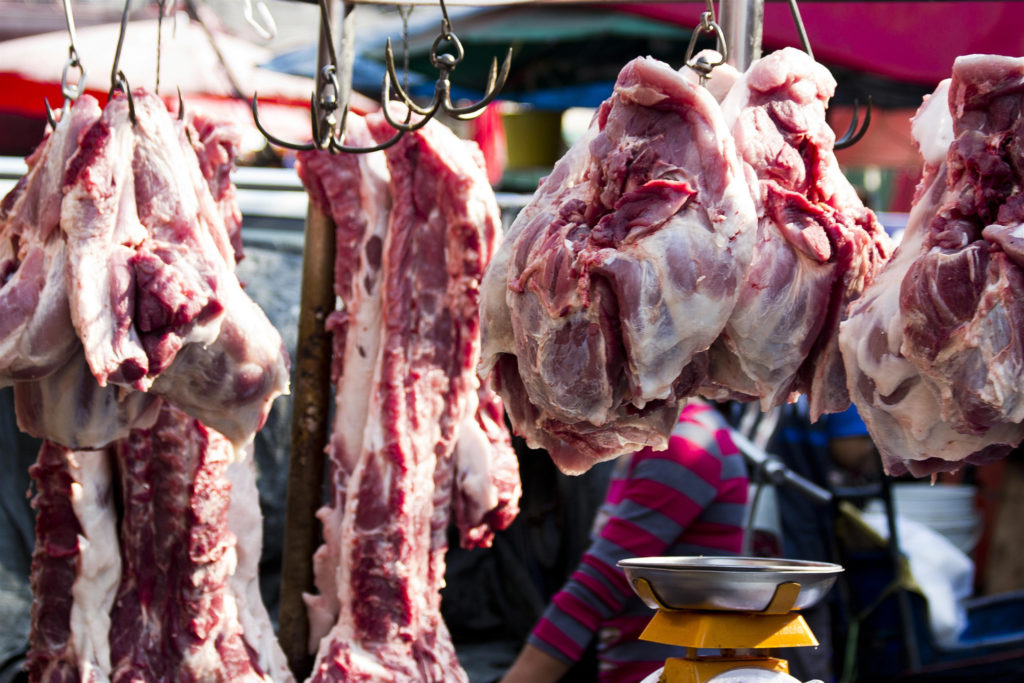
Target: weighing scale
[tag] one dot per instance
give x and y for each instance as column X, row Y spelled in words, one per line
column 740, row 606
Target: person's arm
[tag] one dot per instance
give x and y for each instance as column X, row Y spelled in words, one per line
column 533, row 665
column 663, row 494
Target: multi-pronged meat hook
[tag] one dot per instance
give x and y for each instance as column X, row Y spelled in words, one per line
column 445, row 63
column 852, row 136
column 69, row 92
column 328, row 130
column 701, row 64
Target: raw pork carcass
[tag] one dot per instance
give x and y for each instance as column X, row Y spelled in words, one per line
column 193, row 619
column 144, row 229
column 121, row 242
column 75, row 566
column 817, row 245
column 415, row 229
column 615, row 279
column 933, row 349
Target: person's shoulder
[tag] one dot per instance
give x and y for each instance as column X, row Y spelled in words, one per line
column 700, row 433
column 700, row 417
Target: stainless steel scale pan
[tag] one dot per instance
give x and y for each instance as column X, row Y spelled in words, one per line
column 745, row 584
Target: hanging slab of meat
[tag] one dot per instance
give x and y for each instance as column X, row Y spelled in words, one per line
column 414, row 236
column 817, row 245
column 75, row 566
column 36, row 336
column 933, row 349
column 179, row 615
column 614, row 281
column 169, row 591
column 144, row 262
column 164, row 585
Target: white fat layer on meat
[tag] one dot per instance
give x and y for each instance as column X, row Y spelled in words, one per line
column 363, row 335
column 932, row 125
column 473, row 462
column 245, row 521
column 99, row 563
column 351, row 432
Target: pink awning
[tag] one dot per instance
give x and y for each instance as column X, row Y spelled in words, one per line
column 907, row 41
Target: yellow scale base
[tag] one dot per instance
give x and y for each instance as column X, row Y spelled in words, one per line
column 700, row 670
column 728, row 632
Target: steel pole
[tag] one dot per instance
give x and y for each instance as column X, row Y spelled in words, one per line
column 742, row 22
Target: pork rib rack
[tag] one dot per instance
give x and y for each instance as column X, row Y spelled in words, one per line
column 168, row 591
column 414, row 433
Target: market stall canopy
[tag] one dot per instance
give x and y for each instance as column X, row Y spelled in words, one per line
column 914, row 42
column 569, row 55
column 214, row 70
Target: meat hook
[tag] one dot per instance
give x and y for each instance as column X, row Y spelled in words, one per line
column 69, row 92
column 328, row 130
column 852, row 136
column 701, row 64
column 118, row 81
column 801, row 31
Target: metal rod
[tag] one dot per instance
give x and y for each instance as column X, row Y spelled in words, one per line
column 742, row 22
column 347, row 55
column 801, row 31
column 310, row 414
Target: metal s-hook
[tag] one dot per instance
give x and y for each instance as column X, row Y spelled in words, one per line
column 852, row 136
column 801, row 31
column 68, row 91
column 259, row 18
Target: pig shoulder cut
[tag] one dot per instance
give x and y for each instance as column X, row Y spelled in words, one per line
column 934, row 349
column 589, row 308
column 817, row 244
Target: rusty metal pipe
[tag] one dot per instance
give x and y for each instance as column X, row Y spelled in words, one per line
column 310, row 417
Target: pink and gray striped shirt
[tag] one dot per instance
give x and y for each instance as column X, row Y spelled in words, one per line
column 689, row 499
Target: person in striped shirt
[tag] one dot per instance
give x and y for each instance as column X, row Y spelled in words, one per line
column 689, row 499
